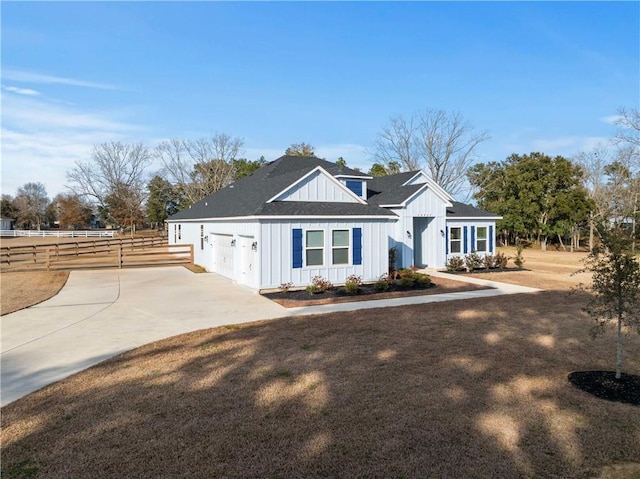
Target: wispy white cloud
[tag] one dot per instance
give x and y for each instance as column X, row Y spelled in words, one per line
column 32, row 77
column 21, row 91
column 42, row 140
column 567, row 145
column 611, row 119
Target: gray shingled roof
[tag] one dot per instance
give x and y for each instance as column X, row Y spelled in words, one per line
column 461, row 210
column 388, row 190
column 249, row 195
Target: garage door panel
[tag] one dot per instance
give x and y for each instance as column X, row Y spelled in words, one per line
column 223, row 251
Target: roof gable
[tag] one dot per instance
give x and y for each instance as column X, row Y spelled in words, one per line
column 317, row 185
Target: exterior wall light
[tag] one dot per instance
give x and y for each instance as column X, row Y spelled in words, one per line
column 233, row 242
column 254, row 246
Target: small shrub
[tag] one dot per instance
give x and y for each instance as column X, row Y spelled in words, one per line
column 519, row 260
column 488, row 261
column 500, row 260
column 285, row 287
column 406, row 282
column 472, row 261
column 405, row 273
column 319, row 285
column 393, row 256
column 422, row 280
column 455, row 263
column 383, row 283
column 352, row 284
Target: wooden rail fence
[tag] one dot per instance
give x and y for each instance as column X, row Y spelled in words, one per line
column 58, row 233
column 118, row 253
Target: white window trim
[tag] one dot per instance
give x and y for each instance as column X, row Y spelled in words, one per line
column 348, row 247
column 486, row 239
column 323, row 247
column 451, row 240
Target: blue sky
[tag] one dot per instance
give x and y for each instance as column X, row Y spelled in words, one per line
column 540, row 76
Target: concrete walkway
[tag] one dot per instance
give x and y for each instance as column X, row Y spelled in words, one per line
column 102, row 313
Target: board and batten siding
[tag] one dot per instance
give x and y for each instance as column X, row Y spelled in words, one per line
column 424, row 205
column 203, row 256
column 277, row 268
column 469, row 235
column 317, row 187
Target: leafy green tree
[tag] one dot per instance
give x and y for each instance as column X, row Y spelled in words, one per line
column 615, row 287
column 8, row 209
column 123, row 208
column 538, row 196
column 300, row 149
column 341, row 161
column 163, row 200
column 378, row 169
column 242, row 167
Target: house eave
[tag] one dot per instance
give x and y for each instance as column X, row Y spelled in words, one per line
column 467, row 218
column 392, row 216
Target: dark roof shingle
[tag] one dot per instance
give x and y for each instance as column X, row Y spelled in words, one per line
column 462, row 210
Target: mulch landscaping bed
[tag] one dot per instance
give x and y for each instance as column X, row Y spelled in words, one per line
column 294, row 299
column 604, row 385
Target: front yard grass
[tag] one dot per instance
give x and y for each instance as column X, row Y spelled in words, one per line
column 475, row 388
column 19, row 290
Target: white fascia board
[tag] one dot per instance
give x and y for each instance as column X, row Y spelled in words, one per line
column 437, row 189
column 355, row 177
column 471, row 218
column 325, row 173
column 392, row 216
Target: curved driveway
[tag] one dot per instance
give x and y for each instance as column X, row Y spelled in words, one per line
column 99, row 314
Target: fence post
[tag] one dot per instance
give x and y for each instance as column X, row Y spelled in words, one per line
column 35, row 255
column 48, row 258
column 119, row 251
column 191, row 253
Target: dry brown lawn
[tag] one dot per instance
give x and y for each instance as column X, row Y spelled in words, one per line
column 474, row 389
column 24, row 289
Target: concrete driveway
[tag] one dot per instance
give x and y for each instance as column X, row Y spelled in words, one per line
column 99, row 314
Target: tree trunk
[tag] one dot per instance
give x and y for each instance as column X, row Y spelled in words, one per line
column 561, row 243
column 591, row 232
column 619, row 348
column 543, row 243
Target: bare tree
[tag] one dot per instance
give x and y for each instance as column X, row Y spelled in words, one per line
column 440, row 142
column 397, row 143
column 199, row 167
column 31, row 202
column 628, row 127
column 116, row 172
column 593, row 165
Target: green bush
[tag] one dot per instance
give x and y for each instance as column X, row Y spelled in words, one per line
column 406, row 282
column 455, row 263
column 384, row 283
column 352, row 284
column 319, row 285
column 519, row 260
column 422, row 280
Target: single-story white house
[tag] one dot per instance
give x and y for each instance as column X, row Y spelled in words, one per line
column 299, row 217
column 5, row 223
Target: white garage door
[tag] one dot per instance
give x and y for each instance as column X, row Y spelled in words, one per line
column 247, row 260
column 223, row 255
